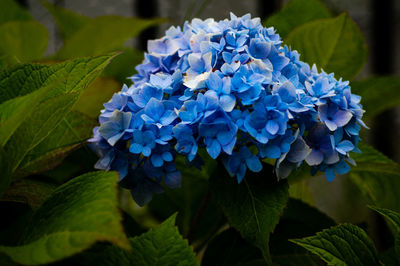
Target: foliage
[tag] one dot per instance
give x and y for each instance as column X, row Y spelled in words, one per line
column 58, row 211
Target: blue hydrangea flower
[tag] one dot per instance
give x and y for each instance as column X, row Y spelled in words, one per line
column 218, row 132
column 225, row 87
column 159, row 113
column 116, row 127
column 238, row 162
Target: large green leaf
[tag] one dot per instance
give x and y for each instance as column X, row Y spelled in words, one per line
column 345, row 244
column 162, row 245
column 335, row 45
column 378, row 94
column 389, row 257
column 10, row 10
column 104, row 34
column 14, row 111
column 29, row 191
column 69, row 79
column 22, row 41
column 68, row 22
column 377, row 177
column 252, row 207
column 69, row 135
column 32, row 131
column 296, row 13
column 78, row 214
column 70, row 76
column 393, row 217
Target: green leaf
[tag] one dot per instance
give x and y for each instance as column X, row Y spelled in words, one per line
column 74, row 74
column 10, row 10
column 68, row 22
column 389, row 257
column 21, row 80
column 14, row 111
column 397, row 245
column 23, row 41
column 335, row 45
column 29, row 191
column 78, row 214
column 104, row 34
column 32, row 131
column 296, row 13
column 70, row 134
column 392, row 216
column 252, row 207
column 377, row 177
column 162, row 245
column 378, row 94
column 345, row 244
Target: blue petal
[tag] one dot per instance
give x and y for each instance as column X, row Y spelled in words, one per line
column 154, row 109
column 259, row 49
column 254, row 164
column 157, row 160
column 331, row 125
column 342, row 118
column 173, row 179
column 342, row 168
column 196, row 63
column 167, row 156
column 315, row 158
column 330, row 174
column 214, row 82
column 109, row 129
column 227, row 102
column 298, row 151
column 229, row 147
column 241, row 173
column 344, row 147
column 146, row 151
column 271, row 151
column 287, row 92
column 272, row 127
column 115, row 138
column 143, row 192
column 214, row 149
column 136, row 148
column 168, row 117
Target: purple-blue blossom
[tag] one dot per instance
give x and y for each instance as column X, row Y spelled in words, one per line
column 233, row 89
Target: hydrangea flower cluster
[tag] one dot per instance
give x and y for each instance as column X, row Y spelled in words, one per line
column 232, row 88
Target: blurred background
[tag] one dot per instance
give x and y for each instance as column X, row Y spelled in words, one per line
column 379, row 21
